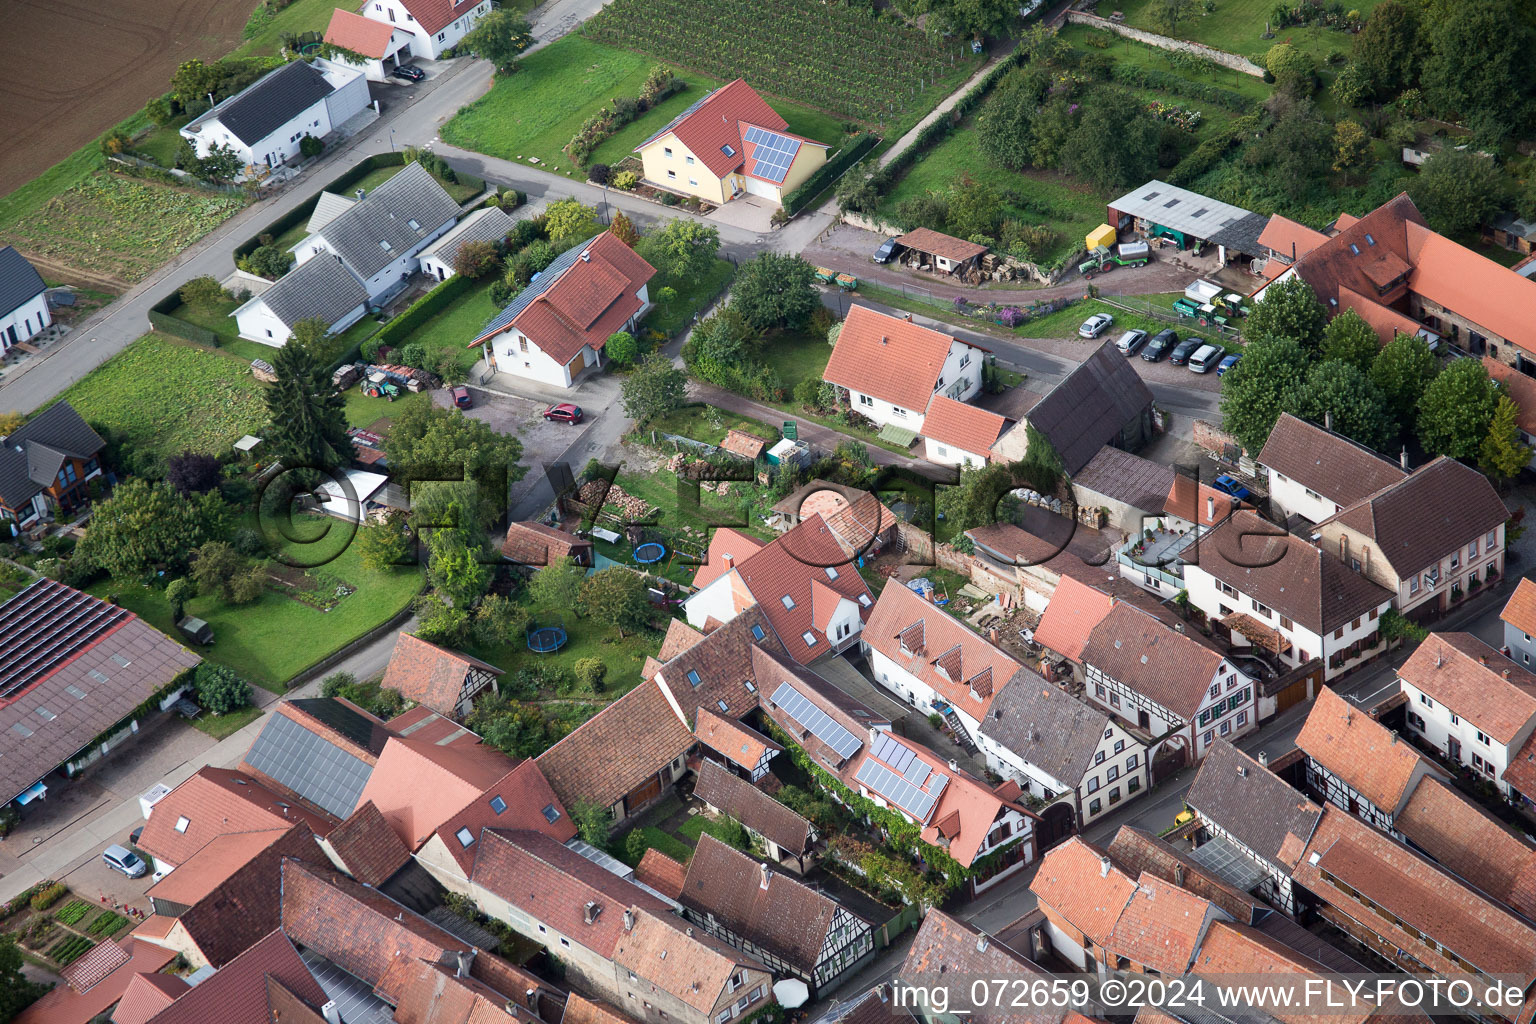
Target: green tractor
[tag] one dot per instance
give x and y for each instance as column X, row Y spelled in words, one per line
column 1101, row 261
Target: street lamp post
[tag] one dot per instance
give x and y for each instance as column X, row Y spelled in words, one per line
column 391, row 140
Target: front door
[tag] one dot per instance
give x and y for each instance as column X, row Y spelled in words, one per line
column 1453, row 749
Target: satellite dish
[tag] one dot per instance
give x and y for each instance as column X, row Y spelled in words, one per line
column 791, row 993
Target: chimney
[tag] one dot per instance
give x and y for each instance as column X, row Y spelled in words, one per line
column 464, row 960
column 1327, row 419
column 1178, row 627
column 992, row 633
column 330, row 1012
column 729, row 560
column 1210, row 508
column 362, row 194
column 629, row 920
column 1506, row 673
column 590, row 912
column 531, row 997
column 766, row 876
column 1394, row 737
column 908, row 318
column 953, row 766
column 1242, row 771
column 1104, row 866
column 1178, row 875
column 1263, row 759
column 982, row 942
column 1482, row 659
column 1403, row 459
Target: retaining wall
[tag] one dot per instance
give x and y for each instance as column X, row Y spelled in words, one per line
column 1222, row 57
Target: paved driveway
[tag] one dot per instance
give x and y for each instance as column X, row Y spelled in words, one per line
column 753, row 213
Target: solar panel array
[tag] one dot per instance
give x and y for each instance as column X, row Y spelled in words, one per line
column 354, row 725
column 844, row 743
column 899, row 791
column 45, row 625
column 772, row 153
column 895, row 754
column 317, row 770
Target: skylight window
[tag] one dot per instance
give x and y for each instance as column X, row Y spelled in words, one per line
column 809, row 638
column 864, row 600
column 20, row 730
column 831, row 573
column 75, row 692
column 787, row 601
column 1354, row 248
column 415, row 224
column 748, row 684
column 722, row 705
column 498, row 805
column 551, row 814
column 182, row 823
column 121, row 660
column 728, row 150
column 1369, row 240
column 464, row 836
column 45, row 714
column 757, row 633
column 383, row 244
column 693, row 677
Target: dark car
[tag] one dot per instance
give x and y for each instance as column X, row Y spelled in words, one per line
column 462, row 398
column 1158, row 347
column 1227, row 363
column 409, row 72
column 1228, row 484
column 1183, row 350
column 564, row 412
column 885, row 252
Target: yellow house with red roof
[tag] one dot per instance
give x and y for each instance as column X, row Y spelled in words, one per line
column 730, row 143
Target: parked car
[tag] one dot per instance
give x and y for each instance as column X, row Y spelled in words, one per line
column 1227, row 363
column 886, row 251
column 409, row 72
column 1205, row 358
column 1158, row 347
column 564, row 412
column 1130, row 341
column 1228, row 484
column 133, row 837
column 1184, row 349
column 462, row 398
column 120, row 858
column 1095, row 325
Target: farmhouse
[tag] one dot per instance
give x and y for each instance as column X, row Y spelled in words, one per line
column 558, row 325
column 1314, row 473
column 445, row 681
column 385, row 46
column 490, row 224
column 729, row 143
column 23, row 304
column 46, row 467
column 320, row 289
column 265, row 122
column 890, row 368
column 435, row 26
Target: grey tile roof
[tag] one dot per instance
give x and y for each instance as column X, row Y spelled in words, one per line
column 1252, row 804
column 1129, row 478
column 328, row 206
column 1045, row 726
column 541, row 284
column 491, row 224
column 19, row 280
column 321, row 286
column 385, row 215
column 1091, row 406
column 731, row 794
column 31, row 456
column 273, row 101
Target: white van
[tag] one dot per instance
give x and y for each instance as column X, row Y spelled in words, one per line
column 1206, row 358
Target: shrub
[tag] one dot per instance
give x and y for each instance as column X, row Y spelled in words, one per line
column 625, row 181
column 598, row 174
column 201, row 290
column 333, row 684
column 267, row 261
column 475, row 259
column 115, row 141
column 219, row 690
column 590, row 673
column 309, row 146
column 807, row 393
column 48, row 895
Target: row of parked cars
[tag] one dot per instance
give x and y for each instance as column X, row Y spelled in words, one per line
column 1199, row 355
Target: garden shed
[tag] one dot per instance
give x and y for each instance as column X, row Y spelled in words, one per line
column 927, row 249
column 1188, row 219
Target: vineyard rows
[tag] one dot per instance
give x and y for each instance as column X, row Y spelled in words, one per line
column 850, row 62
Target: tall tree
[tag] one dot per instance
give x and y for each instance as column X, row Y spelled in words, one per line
column 1388, row 48
column 1348, row 338
column 1115, row 142
column 1290, row 311
column 557, row 585
column 16, row 992
column 1456, row 410
column 499, row 38
column 654, row 388
column 974, row 18
column 1358, row 409
column 1005, row 126
column 1402, row 370
column 308, row 419
column 775, row 289
column 145, row 525
column 1256, row 391
column 618, row 597
column 1477, row 70
column 682, row 249
column 1298, row 148
column 1292, row 68
column 1351, row 146
column 624, row 229
column 1459, row 190
column 1503, row 454
column 427, row 442
column 975, row 207
column 569, row 222
column 192, row 472
column 1168, row 15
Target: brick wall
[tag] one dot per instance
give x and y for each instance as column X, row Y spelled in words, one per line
column 1211, row 437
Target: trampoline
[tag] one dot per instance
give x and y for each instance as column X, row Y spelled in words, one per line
column 546, row 636
column 649, row 552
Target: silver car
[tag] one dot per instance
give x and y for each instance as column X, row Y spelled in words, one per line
column 120, row 858
column 1095, row 325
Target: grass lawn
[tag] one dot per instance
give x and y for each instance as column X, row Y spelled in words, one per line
column 222, row 726
column 691, row 524
column 535, row 112
column 168, row 395
column 692, row 296
column 1131, row 52
column 161, row 144
column 708, row 424
column 1035, row 197
column 1237, row 26
column 264, row 36
column 458, row 324
column 655, row 839
column 723, row 829
column 362, row 411
column 214, row 316
column 273, row 638
column 587, row 638
column 797, row 356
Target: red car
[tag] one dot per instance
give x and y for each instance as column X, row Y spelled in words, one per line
column 461, row 397
column 564, row 412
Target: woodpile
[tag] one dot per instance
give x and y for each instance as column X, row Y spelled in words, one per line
column 263, row 371
column 630, row 508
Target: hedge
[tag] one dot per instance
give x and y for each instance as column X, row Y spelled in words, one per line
column 1205, row 92
column 161, row 318
column 829, row 172
column 300, row 214
column 423, row 309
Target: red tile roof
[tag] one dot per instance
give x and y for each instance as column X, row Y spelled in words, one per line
column 359, row 34
column 1163, row 664
column 67, row 1005
column 680, row 637
column 369, row 849
column 239, row 993
column 741, row 744
column 949, row 657
column 934, row 243
column 1161, row 926
column 730, row 794
column 807, row 553
column 584, row 1011
column 429, row 674
column 890, row 358
column 1467, row 840
column 1080, row 883
column 682, row 961
column 1520, row 388
column 727, row 548
column 967, row 427
column 1360, row 750
column 147, row 995
column 210, row 867
column 846, row 711
column 435, row 994
column 93, row 968
column 539, row 545
column 1520, row 610
column 1074, row 611
column 1474, row 681
column 618, row 749
column 215, row 802
column 1473, row 285
column 417, row 784
column 661, row 873
column 739, row 442
column 527, row 802
column 435, row 15
column 946, row 948
column 1290, row 239
column 717, row 121
column 1232, row 949
column 1140, row 852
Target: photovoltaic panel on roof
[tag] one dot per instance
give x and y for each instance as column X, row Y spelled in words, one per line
column 893, row 752
column 899, row 791
column 916, row 773
column 772, row 153
column 314, row 768
column 354, row 725
column 844, row 743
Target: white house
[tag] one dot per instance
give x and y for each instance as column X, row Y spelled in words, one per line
column 558, row 325
column 1470, row 702
column 385, row 46
column 892, row 368
column 1058, row 747
column 1274, row 590
column 322, row 288
column 956, row 434
column 1314, row 473
column 491, row 224
column 265, row 122
column 380, row 237
column 934, row 662
column 434, row 25
column 23, row 302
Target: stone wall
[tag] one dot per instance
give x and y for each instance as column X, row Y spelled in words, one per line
column 1211, row 437
column 1222, row 57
